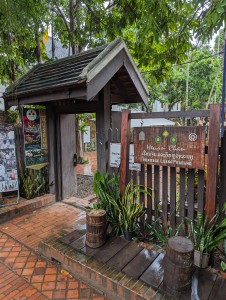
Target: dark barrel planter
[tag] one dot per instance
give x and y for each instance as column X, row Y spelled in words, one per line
column 178, row 264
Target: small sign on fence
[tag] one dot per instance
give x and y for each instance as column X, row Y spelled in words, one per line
column 182, row 147
column 115, row 157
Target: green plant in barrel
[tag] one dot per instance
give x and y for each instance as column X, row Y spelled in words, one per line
column 123, row 211
column 207, row 235
column 130, row 210
column 105, row 188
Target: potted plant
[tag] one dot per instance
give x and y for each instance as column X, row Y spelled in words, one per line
column 123, row 211
column 206, row 236
column 105, row 188
column 130, row 210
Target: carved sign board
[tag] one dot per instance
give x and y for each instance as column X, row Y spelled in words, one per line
column 115, row 157
column 182, row 147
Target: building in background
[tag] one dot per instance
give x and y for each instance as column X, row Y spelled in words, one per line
column 158, row 106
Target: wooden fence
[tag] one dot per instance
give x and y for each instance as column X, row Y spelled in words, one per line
column 176, row 193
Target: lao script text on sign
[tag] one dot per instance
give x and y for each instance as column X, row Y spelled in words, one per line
column 170, row 146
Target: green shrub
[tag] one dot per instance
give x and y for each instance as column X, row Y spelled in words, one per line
column 33, row 183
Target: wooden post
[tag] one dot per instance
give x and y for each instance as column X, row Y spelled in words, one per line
column 51, row 133
column 125, row 141
column 212, row 164
column 103, row 123
column 67, row 139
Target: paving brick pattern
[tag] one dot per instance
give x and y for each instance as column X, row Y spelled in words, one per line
column 26, row 275
column 91, row 167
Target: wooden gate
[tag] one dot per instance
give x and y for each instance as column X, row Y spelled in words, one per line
column 176, row 192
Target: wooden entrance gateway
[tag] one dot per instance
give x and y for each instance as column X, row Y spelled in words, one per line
column 90, row 81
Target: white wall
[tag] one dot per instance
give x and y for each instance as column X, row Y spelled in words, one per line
column 2, row 106
column 161, row 107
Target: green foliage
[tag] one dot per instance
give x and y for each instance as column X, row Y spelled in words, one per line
column 129, row 209
column 204, row 82
column 144, row 232
column 159, row 33
column 104, row 187
column 12, row 116
column 123, row 211
column 20, row 22
column 223, row 265
column 160, row 233
column 33, row 183
column 205, row 234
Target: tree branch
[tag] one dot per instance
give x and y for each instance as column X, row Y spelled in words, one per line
column 62, row 15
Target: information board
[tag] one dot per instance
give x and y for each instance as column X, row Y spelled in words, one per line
column 8, row 164
column 115, row 157
column 35, row 137
column 170, row 146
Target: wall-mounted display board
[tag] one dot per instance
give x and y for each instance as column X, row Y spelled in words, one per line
column 35, row 137
column 170, row 146
column 8, row 164
column 115, row 157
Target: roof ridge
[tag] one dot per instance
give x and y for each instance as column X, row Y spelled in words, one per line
column 100, row 56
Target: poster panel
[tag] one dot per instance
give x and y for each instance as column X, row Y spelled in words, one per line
column 35, row 137
column 115, row 157
column 8, row 164
column 182, row 146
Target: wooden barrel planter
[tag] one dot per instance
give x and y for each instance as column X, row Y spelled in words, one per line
column 178, row 264
column 96, row 225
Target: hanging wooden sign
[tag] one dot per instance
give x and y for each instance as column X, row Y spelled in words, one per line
column 182, row 147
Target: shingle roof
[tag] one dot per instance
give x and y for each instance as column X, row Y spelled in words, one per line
column 91, row 70
column 56, row 73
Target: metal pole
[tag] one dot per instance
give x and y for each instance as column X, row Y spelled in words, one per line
column 223, row 89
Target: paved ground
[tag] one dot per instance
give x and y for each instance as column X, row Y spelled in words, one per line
column 91, row 167
column 24, row 274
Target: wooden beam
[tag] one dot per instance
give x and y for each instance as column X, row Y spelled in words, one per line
column 136, row 80
column 86, row 107
column 212, row 164
column 125, row 141
column 171, row 114
column 79, row 93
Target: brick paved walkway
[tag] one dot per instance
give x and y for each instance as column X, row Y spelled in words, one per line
column 24, row 274
column 91, row 167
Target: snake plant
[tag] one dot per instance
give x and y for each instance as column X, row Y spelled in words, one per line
column 205, row 234
column 122, row 211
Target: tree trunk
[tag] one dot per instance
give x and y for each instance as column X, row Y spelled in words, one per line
column 38, row 48
column 72, row 5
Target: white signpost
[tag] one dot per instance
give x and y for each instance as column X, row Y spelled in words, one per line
column 86, row 135
column 115, row 157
